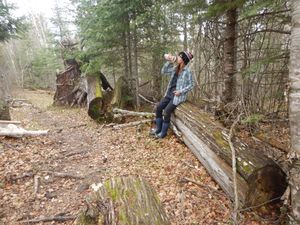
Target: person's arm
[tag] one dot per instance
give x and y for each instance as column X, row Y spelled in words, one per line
column 167, row 69
column 190, row 83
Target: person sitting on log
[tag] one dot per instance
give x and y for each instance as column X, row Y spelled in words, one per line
column 180, row 84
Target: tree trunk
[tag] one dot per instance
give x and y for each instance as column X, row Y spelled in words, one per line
column 229, row 56
column 157, row 78
column 125, row 55
column 136, row 73
column 259, row 179
column 4, row 107
column 124, row 200
column 294, row 113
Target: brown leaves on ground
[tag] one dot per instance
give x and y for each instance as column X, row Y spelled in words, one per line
column 52, row 175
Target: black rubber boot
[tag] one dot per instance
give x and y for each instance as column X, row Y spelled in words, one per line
column 159, row 122
column 164, row 130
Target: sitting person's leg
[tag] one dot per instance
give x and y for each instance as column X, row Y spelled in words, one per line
column 169, row 109
column 159, row 115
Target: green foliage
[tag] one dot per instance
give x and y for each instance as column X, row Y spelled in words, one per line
column 9, row 26
column 253, row 119
column 218, row 8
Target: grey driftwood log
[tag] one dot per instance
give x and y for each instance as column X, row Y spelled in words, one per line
column 123, row 200
column 259, row 179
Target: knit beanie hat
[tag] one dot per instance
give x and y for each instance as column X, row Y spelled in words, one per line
column 186, row 56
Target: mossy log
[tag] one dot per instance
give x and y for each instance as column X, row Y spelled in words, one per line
column 98, row 101
column 94, row 97
column 4, row 110
column 122, row 97
column 259, row 178
column 4, row 106
column 123, row 200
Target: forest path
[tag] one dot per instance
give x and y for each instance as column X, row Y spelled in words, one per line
column 77, row 146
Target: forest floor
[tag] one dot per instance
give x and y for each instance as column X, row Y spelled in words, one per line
column 72, row 157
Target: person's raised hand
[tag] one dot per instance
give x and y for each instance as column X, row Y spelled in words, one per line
column 170, row 57
column 176, row 93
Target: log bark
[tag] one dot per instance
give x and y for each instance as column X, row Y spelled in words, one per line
column 124, row 200
column 259, row 178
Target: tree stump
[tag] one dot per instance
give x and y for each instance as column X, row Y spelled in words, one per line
column 4, row 110
column 124, row 200
column 259, row 178
column 70, row 87
column 122, row 96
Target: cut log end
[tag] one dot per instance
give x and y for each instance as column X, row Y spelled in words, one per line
column 94, row 108
column 265, row 184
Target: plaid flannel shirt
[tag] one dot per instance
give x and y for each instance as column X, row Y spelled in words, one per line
column 184, row 83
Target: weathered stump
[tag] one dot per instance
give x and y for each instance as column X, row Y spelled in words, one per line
column 4, row 110
column 259, row 178
column 124, row 200
column 94, row 97
column 70, row 88
column 98, row 101
column 122, row 96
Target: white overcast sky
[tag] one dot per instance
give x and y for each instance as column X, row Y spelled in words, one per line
column 34, row 6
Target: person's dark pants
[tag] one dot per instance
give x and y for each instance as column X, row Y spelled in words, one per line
column 165, row 108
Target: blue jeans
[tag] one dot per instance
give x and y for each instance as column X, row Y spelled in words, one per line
column 165, row 108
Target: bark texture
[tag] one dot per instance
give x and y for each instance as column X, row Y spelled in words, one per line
column 229, row 56
column 259, row 178
column 4, row 107
column 294, row 113
column 124, row 200
column 70, row 87
column 122, row 97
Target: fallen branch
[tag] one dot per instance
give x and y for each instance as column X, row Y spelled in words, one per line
column 13, row 130
column 65, row 175
column 49, row 219
column 75, row 153
column 132, row 113
column 10, row 178
column 146, row 100
column 9, row 122
column 233, row 157
column 206, row 187
column 135, row 123
column 36, row 184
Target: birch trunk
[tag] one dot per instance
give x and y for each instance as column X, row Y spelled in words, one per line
column 294, row 113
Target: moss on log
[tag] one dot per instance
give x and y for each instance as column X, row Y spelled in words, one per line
column 94, row 96
column 124, row 200
column 4, row 110
column 259, row 177
column 122, row 97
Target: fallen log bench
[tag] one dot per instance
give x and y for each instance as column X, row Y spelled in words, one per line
column 259, row 178
column 123, row 200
